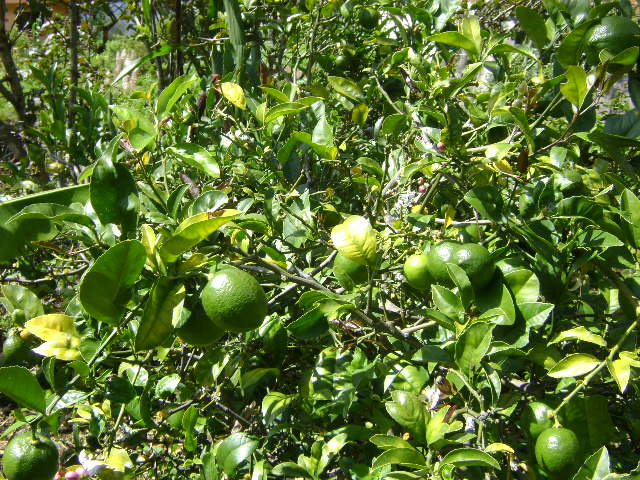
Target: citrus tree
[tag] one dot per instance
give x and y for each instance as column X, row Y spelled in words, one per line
column 376, row 240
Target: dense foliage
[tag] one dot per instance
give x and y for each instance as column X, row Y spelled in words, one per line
column 487, row 152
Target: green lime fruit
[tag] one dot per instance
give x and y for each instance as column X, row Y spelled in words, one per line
column 416, row 271
column 476, row 262
column 349, row 273
column 198, row 330
column 536, row 417
column 15, row 350
column 28, row 458
column 614, row 34
column 437, row 258
column 557, row 452
column 234, row 300
column 369, row 18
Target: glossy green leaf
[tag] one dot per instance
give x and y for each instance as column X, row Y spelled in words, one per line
column 398, row 456
column 161, row 314
column 533, row 24
column 311, row 324
column 448, row 302
column 387, row 442
column 596, row 467
column 579, row 333
column 170, row 95
column 356, row 239
column 574, row 365
column 407, row 409
column 575, row 89
column 283, row 109
column 470, row 457
column 106, row 287
column 234, row 450
column 290, row 470
column 18, row 297
column 194, row 230
column 473, row 344
column 524, row 284
column 197, row 157
column 275, row 405
column 21, row 386
column 574, row 43
column 455, row 39
column 620, row 370
column 233, row 19
column 52, row 212
column 346, row 87
column 113, row 191
column 465, row 290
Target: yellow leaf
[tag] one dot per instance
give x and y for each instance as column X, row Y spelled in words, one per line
column 503, row 166
column 620, row 371
column 498, row 447
column 234, row 93
column 49, row 327
column 118, row 460
column 449, row 216
column 355, row 239
column 63, row 347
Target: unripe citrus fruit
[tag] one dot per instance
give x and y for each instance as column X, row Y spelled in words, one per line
column 349, row 273
column 416, row 272
column 476, row 262
column 369, row 18
column 437, row 258
column 15, row 350
column 614, row 33
column 234, row 300
column 28, row 458
column 199, row 331
column 557, row 452
column 536, row 417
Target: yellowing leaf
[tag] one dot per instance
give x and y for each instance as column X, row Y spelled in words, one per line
column 59, row 333
column 503, row 166
column 49, row 327
column 119, row 460
column 449, row 215
column 234, row 93
column 499, row 447
column 620, row 371
column 355, row 238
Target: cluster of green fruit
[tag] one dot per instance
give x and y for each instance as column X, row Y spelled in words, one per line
column 424, row 269
column 231, row 301
column 557, row 450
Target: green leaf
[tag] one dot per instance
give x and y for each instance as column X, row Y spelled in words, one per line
column 392, row 123
column 194, row 230
column 277, row 94
column 161, row 314
column 620, row 370
column 574, row 365
column 311, row 324
column 21, row 386
column 575, row 89
column 579, row 333
column 283, row 109
column 470, row 457
column 520, row 117
column 398, row 456
column 387, row 442
column 359, row 114
column 496, row 304
column 52, row 212
column 487, row 200
column 17, row 297
column 234, row 450
column 328, row 152
column 113, row 192
column 596, row 467
column 138, row 126
column 290, row 470
column 630, row 206
column 588, row 416
column 574, row 43
column 170, row 95
column 356, row 239
column 105, row 288
column 465, row 290
column 447, row 302
column 594, row 238
column 275, row 405
column 197, row 157
column 524, row 284
column 233, row 19
column 189, row 420
column 533, row 24
column 407, row 409
column 322, row 133
column 346, row 87
column 455, row 39
column 473, row 344
column 470, row 28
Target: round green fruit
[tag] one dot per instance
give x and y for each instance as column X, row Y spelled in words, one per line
column 349, row 273
column 536, row 417
column 437, row 259
column 614, row 34
column 198, row 330
column 15, row 350
column 234, row 300
column 476, row 262
column 557, row 452
column 29, row 458
column 369, row 18
column 416, row 272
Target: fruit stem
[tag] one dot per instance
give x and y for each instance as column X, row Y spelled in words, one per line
column 631, row 299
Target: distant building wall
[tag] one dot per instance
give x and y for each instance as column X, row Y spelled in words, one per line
column 14, row 6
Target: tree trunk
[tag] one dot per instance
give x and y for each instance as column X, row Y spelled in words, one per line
column 13, row 93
